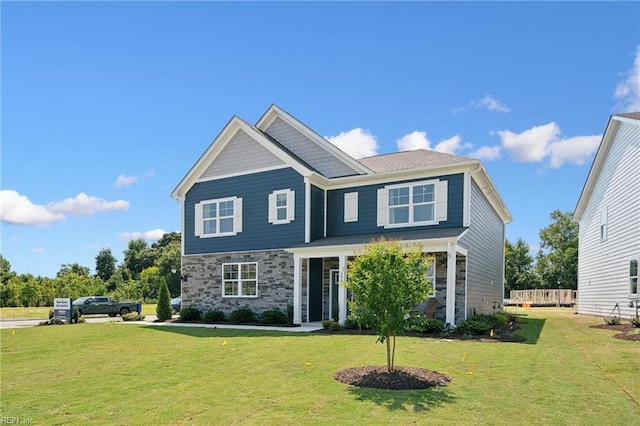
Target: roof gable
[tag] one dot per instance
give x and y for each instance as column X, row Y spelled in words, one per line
column 319, row 153
column 601, row 155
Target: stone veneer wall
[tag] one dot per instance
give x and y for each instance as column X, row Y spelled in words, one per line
column 203, row 288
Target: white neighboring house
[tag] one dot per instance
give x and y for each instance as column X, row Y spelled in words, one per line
column 608, row 213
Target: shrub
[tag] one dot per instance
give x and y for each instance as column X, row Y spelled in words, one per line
column 423, row 324
column 612, row 320
column 190, row 314
column 478, row 325
column 331, row 325
column 132, row 316
column 242, row 315
column 273, row 316
column 52, row 321
column 163, row 309
column 635, row 321
column 351, row 323
column 214, row 316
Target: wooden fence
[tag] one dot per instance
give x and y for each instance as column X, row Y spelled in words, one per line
column 538, row 297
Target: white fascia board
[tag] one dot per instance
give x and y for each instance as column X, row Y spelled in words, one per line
column 221, row 141
column 598, row 163
column 275, row 111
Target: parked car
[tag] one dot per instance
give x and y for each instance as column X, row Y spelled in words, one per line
column 103, row 305
column 176, row 304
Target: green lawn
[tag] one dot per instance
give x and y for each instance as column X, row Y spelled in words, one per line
column 122, row 373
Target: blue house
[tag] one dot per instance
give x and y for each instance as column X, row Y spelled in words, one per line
column 272, row 212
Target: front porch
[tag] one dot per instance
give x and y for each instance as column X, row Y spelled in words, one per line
column 318, row 293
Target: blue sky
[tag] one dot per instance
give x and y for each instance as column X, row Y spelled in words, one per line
column 106, row 106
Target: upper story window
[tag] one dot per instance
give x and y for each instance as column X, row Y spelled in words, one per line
column 218, row 218
column 603, row 224
column 412, row 204
column 282, row 206
column 240, row 279
column 633, row 277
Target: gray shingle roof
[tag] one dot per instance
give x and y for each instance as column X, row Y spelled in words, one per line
column 406, row 160
column 422, row 234
column 632, row 115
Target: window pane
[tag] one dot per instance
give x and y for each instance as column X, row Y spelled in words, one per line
column 399, row 196
column 281, row 200
column 231, row 288
column 399, row 215
column 210, row 226
column 226, row 208
column 209, row 210
column 633, row 268
column 226, row 225
column 423, row 193
column 248, row 271
column 249, row 288
column 230, row 272
column 423, row 213
column 282, row 213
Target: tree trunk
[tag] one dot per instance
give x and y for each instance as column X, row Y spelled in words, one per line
column 389, row 368
column 393, row 353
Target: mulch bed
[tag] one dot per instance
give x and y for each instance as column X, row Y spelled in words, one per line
column 506, row 335
column 627, row 331
column 401, row 378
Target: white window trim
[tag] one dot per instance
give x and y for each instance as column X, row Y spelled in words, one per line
column 291, row 206
column 237, row 218
column 432, row 258
column 604, row 224
column 351, row 207
column 440, row 204
column 239, row 295
column 636, row 276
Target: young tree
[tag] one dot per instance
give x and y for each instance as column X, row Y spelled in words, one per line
column 386, row 281
column 163, row 309
column 518, row 266
column 557, row 261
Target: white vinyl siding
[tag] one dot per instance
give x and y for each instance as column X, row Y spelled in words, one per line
column 351, row 207
column 603, row 223
column 282, row 206
column 412, row 204
column 218, row 218
column 604, row 265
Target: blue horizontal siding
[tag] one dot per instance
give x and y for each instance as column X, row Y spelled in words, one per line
column 257, row 233
column 317, row 213
column 367, row 208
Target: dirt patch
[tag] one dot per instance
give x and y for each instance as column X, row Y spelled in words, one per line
column 401, row 378
column 627, row 331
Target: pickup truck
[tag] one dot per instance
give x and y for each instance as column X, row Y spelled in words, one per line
column 103, row 305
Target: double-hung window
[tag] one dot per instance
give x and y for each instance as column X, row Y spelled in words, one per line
column 633, row 278
column 282, row 206
column 218, row 218
column 430, row 273
column 240, row 280
column 412, row 204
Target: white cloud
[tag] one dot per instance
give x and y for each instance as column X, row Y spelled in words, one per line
column 414, row 140
column 491, row 104
column 486, row 153
column 358, row 143
column 573, row 150
column 124, row 180
column 532, row 145
column 19, row 210
column 453, row 145
column 152, row 235
column 628, row 90
column 38, row 250
column 86, row 205
column 543, row 142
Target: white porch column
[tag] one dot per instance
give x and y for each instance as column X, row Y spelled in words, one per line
column 297, row 289
column 451, row 284
column 342, row 290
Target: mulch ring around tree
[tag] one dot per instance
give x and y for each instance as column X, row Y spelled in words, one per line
column 401, row 378
column 626, row 331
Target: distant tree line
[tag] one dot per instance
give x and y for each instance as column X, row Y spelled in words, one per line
column 139, row 277
column 556, row 263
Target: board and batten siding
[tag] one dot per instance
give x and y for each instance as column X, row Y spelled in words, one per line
column 484, row 241
column 367, row 208
column 257, row 233
column 603, row 264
